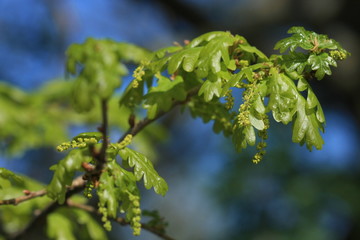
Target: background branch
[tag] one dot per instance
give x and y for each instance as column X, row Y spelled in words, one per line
column 27, row 196
column 119, row 220
column 40, row 219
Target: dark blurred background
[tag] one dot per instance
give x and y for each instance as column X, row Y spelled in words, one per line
column 215, row 193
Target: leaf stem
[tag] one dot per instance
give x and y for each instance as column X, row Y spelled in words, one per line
column 136, row 128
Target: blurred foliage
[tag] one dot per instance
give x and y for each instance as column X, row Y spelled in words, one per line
column 42, row 118
column 63, row 223
column 279, row 200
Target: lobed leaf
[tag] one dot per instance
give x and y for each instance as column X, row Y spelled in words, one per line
column 300, row 38
column 306, row 127
column 282, row 97
column 287, row 104
column 143, row 168
column 211, row 87
column 295, row 61
column 64, row 173
column 252, row 49
column 187, row 57
column 321, row 63
column 207, row 37
column 243, row 136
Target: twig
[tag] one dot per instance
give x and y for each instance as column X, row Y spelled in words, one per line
column 27, row 196
column 77, row 182
column 136, row 128
column 119, row 220
column 78, row 185
column 103, row 129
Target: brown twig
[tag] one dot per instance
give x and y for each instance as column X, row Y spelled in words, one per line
column 27, row 196
column 77, row 182
column 77, row 185
column 119, row 220
column 136, row 128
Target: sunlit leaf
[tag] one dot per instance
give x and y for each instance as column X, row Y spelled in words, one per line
column 64, row 173
column 143, row 168
column 321, row 63
column 211, row 88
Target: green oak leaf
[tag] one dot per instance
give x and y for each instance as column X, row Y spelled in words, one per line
column 321, row 64
column 64, row 173
column 143, row 168
column 211, row 87
column 306, row 127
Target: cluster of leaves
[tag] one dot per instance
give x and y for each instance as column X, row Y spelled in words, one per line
column 33, row 115
column 213, row 63
column 199, row 76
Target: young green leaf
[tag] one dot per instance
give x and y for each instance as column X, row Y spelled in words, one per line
column 207, row 37
column 321, row 63
column 282, row 96
column 143, row 168
column 295, row 61
column 306, row 127
column 252, row 49
column 300, row 38
column 212, row 53
column 64, row 173
column 187, row 57
column 243, row 136
column 211, row 87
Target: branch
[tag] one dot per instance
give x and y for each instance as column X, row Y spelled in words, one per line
column 136, row 128
column 77, row 183
column 28, row 195
column 77, row 186
column 119, row 220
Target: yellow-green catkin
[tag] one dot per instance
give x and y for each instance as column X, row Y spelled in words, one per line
column 136, row 214
column 78, row 143
column 244, row 109
column 338, row 55
column 127, row 141
column 262, row 144
column 138, row 75
column 104, row 217
column 88, row 189
column 229, row 100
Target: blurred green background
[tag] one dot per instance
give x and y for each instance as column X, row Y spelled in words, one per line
column 215, row 193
